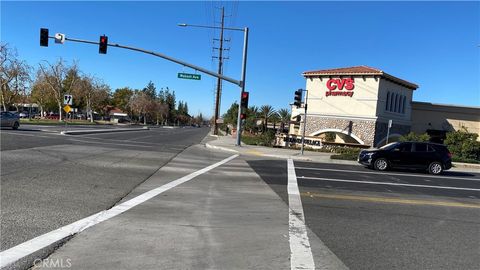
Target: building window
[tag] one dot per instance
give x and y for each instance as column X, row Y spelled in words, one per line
column 395, row 108
column 392, row 96
column 403, row 105
column 387, row 107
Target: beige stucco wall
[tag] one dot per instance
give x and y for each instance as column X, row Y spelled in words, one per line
column 361, row 104
column 385, row 87
column 444, row 117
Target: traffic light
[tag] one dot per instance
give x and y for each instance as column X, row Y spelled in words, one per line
column 103, row 44
column 244, row 105
column 44, row 37
column 244, row 101
column 297, row 100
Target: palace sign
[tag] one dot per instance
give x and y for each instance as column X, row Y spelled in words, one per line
column 336, row 87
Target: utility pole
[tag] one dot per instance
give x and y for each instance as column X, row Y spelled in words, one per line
column 219, row 81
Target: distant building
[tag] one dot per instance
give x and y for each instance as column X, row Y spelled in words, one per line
column 356, row 104
column 118, row 116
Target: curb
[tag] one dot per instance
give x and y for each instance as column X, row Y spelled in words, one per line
column 220, row 148
column 466, row 165
column 91, row 131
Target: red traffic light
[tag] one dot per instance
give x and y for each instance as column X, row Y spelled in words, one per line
column 244, row 100
column 103, row 44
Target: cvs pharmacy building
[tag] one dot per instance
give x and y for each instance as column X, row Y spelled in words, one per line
column 356, row 103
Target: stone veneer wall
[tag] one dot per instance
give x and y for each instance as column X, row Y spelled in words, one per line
column 364, row 129
column 381, row 131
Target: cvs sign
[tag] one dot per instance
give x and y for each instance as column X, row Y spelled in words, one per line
column 340, row 84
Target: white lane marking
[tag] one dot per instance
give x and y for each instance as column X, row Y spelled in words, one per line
column 300, row 252
column 130, row 141
column 24, row 249
column 77, row 132
column 107, row 143
column 386, row 183
column 397, row 174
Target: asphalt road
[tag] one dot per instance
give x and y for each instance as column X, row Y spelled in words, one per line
column 228, row 217
column 391, row 220
column 49, row 180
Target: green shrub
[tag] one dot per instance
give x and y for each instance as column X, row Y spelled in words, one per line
column 330, row 136
column 264, row 139
column 267, row 138
column 250, row 140
column 463, row 145
column 465, row 160
column 414, row 137
column 349, row 156
column 347, row 151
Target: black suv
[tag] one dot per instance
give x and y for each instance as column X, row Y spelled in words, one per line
column 433, row 157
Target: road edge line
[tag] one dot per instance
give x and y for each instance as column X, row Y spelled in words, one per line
column 301, row 256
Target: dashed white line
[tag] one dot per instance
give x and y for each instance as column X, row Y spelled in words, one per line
column 300, row 252
column 15, row 253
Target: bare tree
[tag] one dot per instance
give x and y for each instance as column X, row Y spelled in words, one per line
column 160, row 111
column 61, row 80
column 92, row 93
column 100, row 96
column 14, row 76
column 41, row 93
column 140, row 103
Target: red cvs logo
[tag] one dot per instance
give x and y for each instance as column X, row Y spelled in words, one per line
column 339, row 84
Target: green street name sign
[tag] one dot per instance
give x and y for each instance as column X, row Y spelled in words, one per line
column 189, row 76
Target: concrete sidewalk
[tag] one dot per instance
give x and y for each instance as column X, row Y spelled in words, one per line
column 226, row 218
column 227, row 143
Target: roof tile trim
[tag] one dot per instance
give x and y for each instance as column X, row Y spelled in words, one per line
column 359, row 70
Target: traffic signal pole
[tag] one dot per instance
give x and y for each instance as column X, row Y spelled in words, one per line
column 304, row 121
column 166, row 57
column 242, row 86
column 240, row 83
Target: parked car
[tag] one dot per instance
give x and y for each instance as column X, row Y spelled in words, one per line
column 23, row 114
column 433, row 157
column 9, row 119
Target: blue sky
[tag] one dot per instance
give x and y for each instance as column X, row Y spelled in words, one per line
column 433, row 44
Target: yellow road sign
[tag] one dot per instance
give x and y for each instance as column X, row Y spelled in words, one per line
column 67, row 108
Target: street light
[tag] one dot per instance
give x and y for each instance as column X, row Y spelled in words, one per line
column 241, row 84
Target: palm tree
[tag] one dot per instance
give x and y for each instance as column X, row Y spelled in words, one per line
column 253, row 111
column 266, row 111
column 275, row 118
column 285, row 117
column 252, row 116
